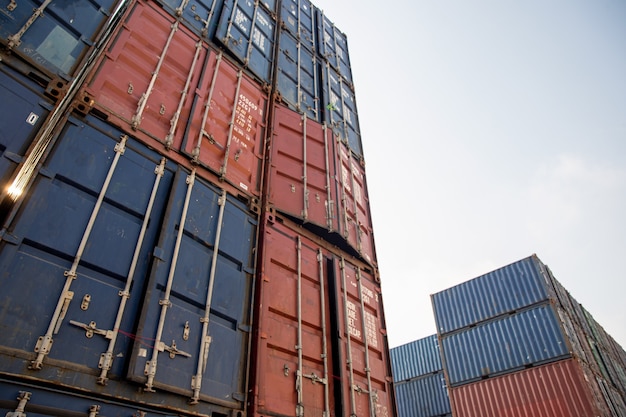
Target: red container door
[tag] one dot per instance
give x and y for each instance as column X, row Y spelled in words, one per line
column 144, row 80
column 227, row 125
column 354, row 220
column 300, row 173
column 363, row 343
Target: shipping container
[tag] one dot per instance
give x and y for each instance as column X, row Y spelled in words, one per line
column 505, row 290
column 54, row 36
column 23, row 110
column 560, row 389
column 332, row 46
column 314, row 178
column 508, row 343
column 248, row 31
column 160, row 82
column 424, row 396
column 201, row 16
column 298, row 17
column 321, row 346
column 123, row 273
column 413, row 359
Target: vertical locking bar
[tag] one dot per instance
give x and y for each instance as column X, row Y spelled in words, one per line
column 320, row 267
column 348, row 337
column 330, row 204
column 16, row 39
column 305, row 190
column 357, row 224
column 44, row 344
column 344, row 195
column 205, row 339
column 106, row 359
column 231, row 126
column 151, row 366
column 136, row 119
column 299, row 388
column 21, row 405
column 207, row 106
column 366, row 344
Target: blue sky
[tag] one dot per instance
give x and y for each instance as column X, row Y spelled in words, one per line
column 492, row 130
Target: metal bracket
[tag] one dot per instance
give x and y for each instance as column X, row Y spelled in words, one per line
column 94, row 410
column 91, row 329
column 314, row 378
column 19, row 410
column 173, row 350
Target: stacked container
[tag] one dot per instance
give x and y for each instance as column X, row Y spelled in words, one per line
column 419, row 381
column 185, row 221
column 518, row 338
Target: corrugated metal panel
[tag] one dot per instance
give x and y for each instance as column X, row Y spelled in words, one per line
column 298, row 17
column 248, row 31
column 94, row 244
column 321, row 347
column 340, row 110
column 332, row 45
column 423, row 397
column 23, row 111
column 509, row 343
column 504, row 290
column 297, row 77
column 201, row 16
column 55, row 35
column 416, row 358
column 556, row 389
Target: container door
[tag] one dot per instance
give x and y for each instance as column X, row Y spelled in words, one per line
column 53, row 35
column 298, row 17
column 293, row 360
column 146, row 78
column 248, row 31
column 201, row 16
column 300, row 171
column 74, row 258
column 22, row 112
column 193, row 332
column 366, row 386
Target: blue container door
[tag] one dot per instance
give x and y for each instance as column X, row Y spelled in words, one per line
column 297, row 16
column 73, row 261
column 332, row 45
column 340, row 109
column 22, row 112
column 53, row 35
column 297, row 77
column 201, row 16
column 248, row 31
column 193, row 333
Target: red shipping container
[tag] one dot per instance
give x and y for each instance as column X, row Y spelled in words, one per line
column 319, row 347
column 314, row 178
column 560, row 389
column 162, row 84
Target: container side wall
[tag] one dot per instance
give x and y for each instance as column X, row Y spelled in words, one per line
column 423, row 397
column 416, row 358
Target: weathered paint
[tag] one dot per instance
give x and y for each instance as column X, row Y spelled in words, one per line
column 424, row 396
column 417, row 358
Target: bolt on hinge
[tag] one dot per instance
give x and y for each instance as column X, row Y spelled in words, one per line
column 19, row 410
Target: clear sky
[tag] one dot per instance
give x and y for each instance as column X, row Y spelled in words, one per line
column 492, row 130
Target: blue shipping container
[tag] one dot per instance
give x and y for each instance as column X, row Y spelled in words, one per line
column 118, row 257
column 504, row 290
column 423, row 397
column 503, row 345
column 53, row 35
column 297, row 78
column 416, row 358
column 298, row 17
column 23, row 109
column 248, row 31
column 332, row 45
column 201, row 16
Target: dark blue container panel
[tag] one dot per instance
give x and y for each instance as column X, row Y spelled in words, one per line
column 43, row 241
column 298, row 17
column 22, row 113
column 423, row 397
column 298, row 77
column 42, row 401
column 340, row 109
column 332, row 45
column 506, row 289
column 513, row 342
column 248, row 31
column 58, row 39
column 189, row 277
column 201, row 16
column 416, row 358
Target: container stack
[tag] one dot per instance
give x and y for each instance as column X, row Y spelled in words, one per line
column 419, row 381
column 185, row 219
column 515, row 341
